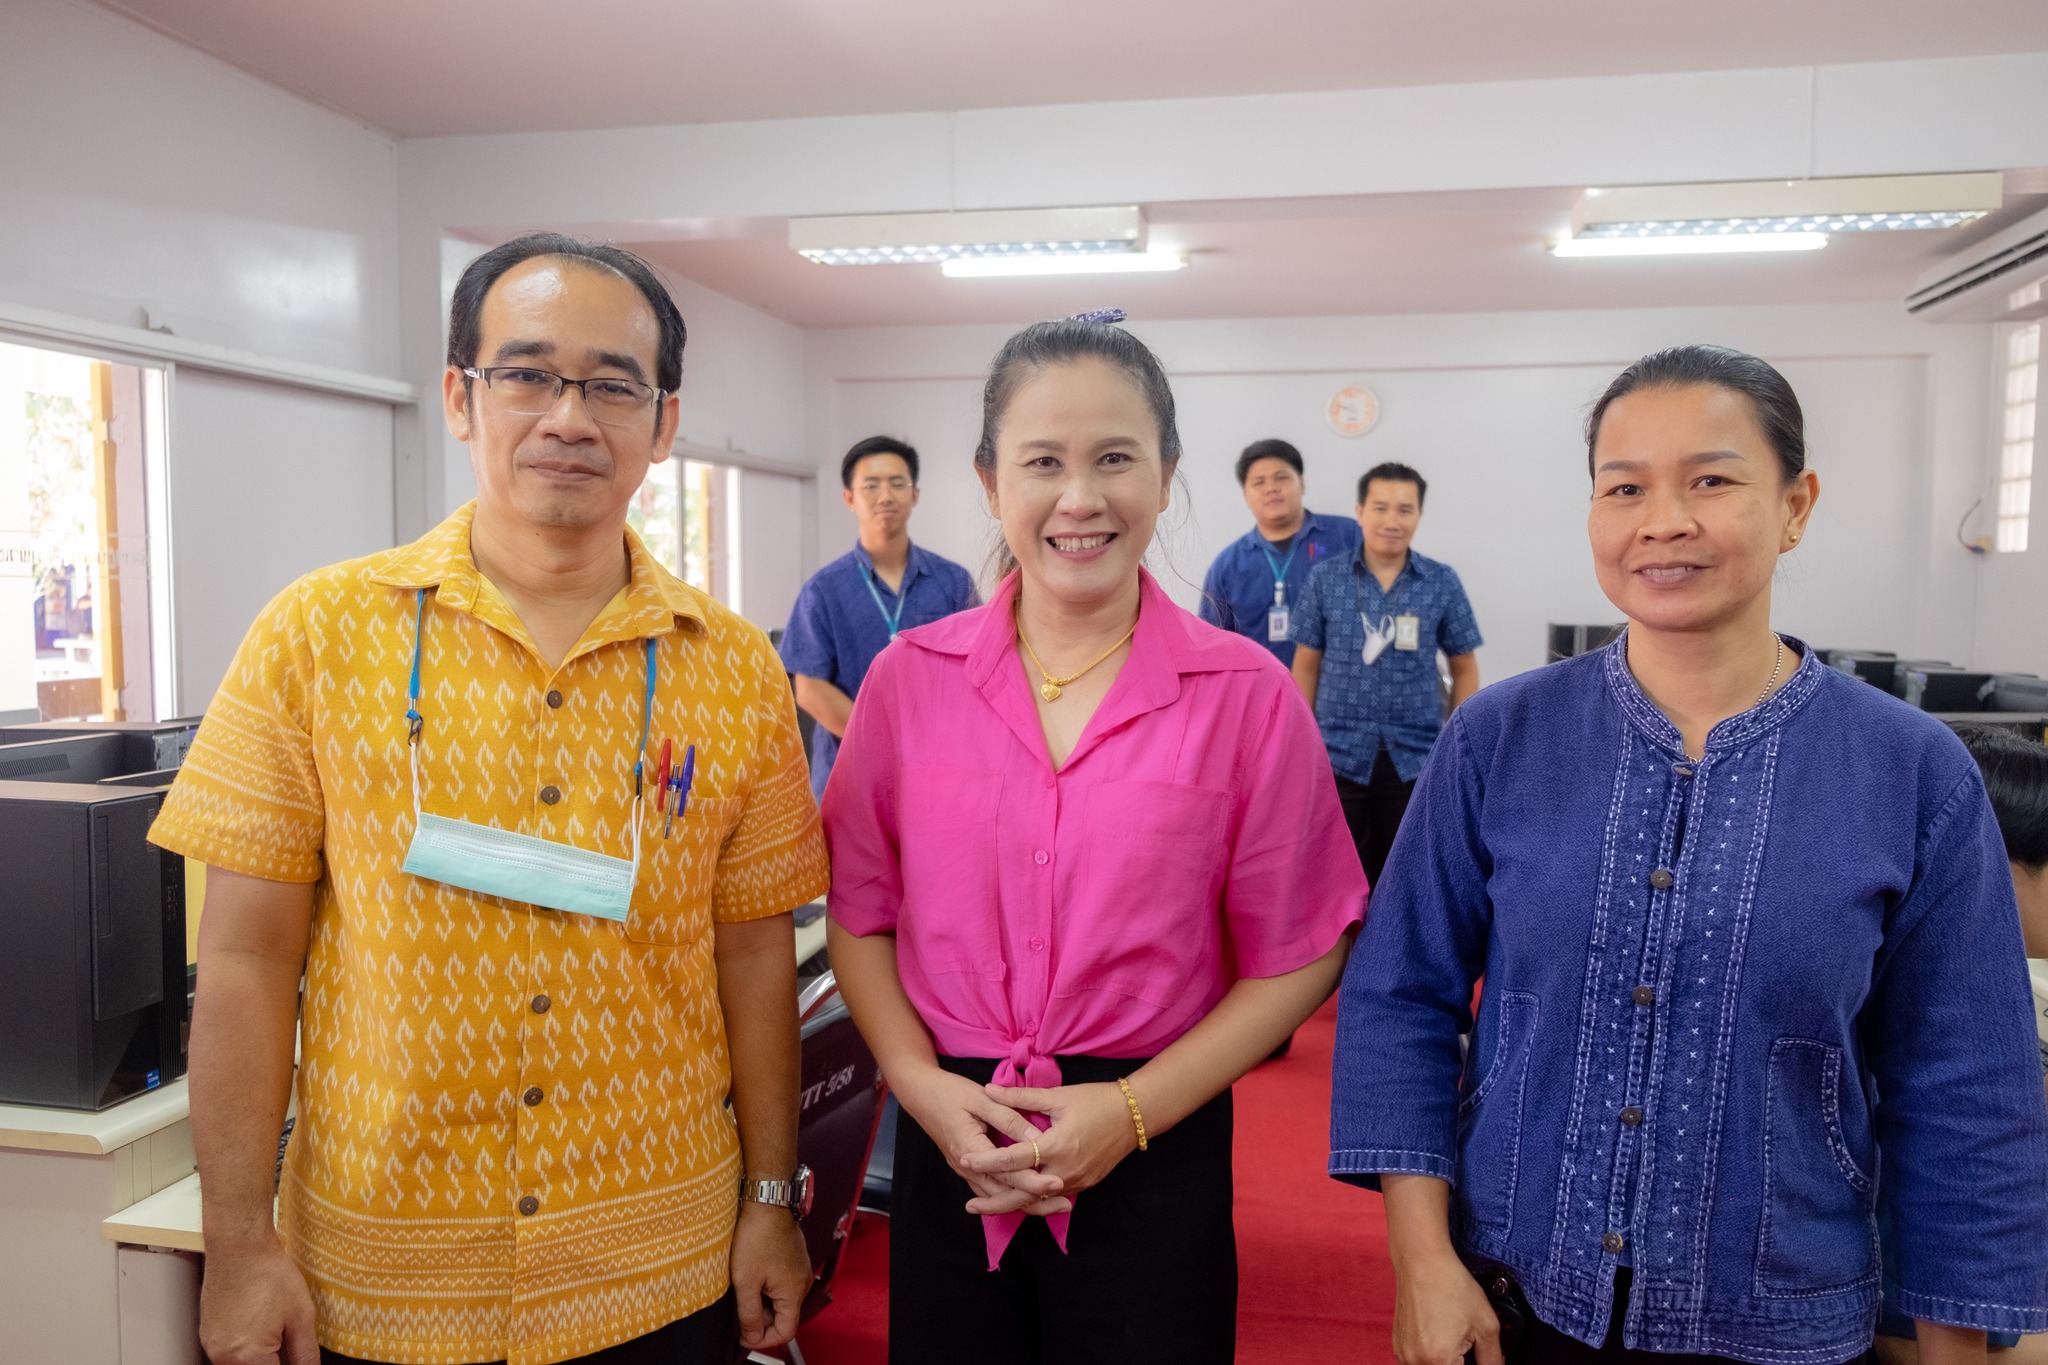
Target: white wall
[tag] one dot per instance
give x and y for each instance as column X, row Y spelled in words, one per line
column 139, row 173
column 252, row 510
column 1489, row 408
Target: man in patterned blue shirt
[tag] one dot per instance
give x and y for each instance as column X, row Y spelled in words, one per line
column 1366, row 633
column 854, row 606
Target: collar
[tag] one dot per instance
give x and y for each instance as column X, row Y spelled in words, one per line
column 911, row 565
column 655, row 600
column 1419, row 565
column 1162, row 652
column 1731, row 733
column 1311, row 525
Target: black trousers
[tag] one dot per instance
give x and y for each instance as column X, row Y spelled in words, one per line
column 709, row 1336
column 1374, row 812
column 1149, row 1276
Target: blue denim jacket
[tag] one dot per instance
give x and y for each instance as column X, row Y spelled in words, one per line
column 1730, row 1007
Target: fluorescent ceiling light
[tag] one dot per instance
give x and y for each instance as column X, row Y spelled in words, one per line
column 1122, row 263
column 1689, row 246
column 1852, row 222
column 924, row 253
column 916, row 238
column 1881, row 203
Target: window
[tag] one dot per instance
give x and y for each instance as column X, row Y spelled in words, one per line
column 81, row 621
column 688, row 514
column 2022, row 379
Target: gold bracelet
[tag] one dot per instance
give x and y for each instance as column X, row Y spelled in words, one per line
column 1137, row 1118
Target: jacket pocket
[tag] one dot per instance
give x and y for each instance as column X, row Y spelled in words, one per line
column 1816, row 1234
column 946, row 836
column 1490, row 1120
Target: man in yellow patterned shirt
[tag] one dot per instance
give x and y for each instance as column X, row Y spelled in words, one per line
column 548, row 1036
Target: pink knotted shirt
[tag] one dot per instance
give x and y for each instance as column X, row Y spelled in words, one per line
column 1193, row 837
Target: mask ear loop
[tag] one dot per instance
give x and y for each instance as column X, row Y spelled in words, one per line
column 413, row 720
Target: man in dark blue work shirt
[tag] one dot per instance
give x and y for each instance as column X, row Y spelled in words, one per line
column 854, row 606
column 1366, row 634
column 1252, row 585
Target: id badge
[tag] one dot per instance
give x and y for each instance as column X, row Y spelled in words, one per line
column 1407, row 632
column 1276, row 625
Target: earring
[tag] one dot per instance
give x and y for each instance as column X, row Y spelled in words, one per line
column 1795, row 537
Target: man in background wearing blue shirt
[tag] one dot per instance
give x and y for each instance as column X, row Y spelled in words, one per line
column 1252, row 585
column 854, row 606
column 1366, row 634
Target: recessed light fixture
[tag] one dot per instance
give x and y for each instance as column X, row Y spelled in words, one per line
column 923, row 238
column 1064, row 263
column 1690, row 246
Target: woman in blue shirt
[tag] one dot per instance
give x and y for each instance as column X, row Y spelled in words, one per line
column 1752, row 963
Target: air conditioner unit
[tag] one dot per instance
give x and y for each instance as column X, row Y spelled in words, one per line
column 2003, row 278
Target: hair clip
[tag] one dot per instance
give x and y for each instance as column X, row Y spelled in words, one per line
column 1101, row 317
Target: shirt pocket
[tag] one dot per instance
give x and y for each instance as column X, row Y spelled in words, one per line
column 1817, row 1234
column 1151, row 876
column 679, row 874
column 1490, row 1119
column 946, row 842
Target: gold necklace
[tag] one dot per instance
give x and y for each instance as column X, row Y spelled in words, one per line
column 1050, row 688
column 1776, row 669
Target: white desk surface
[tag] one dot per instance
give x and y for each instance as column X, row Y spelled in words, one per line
column 70, row 1130
column 168, row 1218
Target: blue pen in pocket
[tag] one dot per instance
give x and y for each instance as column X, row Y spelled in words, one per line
column 679, row 783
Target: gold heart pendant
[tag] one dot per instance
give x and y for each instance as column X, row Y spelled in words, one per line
column 1050, row 691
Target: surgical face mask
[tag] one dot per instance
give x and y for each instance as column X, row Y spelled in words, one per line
column 521, row 867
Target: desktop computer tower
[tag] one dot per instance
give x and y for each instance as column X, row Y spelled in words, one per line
column 92, row 946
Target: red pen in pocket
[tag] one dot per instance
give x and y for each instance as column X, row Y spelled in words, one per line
column 661, row 779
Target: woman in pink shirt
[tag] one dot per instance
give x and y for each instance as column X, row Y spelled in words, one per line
column 1088, row 868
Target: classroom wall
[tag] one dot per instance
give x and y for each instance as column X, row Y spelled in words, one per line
column 139, row 173
column 1489, row 408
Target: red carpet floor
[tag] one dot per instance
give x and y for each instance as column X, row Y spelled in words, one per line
column 1314, row 1283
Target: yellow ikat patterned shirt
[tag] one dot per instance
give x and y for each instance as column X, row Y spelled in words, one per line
column 466, row 1058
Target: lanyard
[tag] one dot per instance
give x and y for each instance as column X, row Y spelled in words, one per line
column 868, row 577
column 1280, row 566
column 414, row 720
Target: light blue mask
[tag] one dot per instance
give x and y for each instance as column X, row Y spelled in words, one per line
column 520, row 867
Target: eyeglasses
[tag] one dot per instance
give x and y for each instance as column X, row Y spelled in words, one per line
column 531, row 393
column 898, row 485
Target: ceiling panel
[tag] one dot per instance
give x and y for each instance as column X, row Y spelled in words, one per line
column 489, row 66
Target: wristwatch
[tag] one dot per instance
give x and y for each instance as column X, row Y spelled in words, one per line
column 794, row 1194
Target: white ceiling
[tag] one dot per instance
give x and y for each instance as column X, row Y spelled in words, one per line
column 429, row 67
column 1480, row 251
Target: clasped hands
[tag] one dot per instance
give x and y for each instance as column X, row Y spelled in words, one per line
column 1089, row 1132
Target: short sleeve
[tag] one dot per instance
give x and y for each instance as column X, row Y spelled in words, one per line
column 1305, row 625
column 807, row 644
column 774, row 859
column 1459, row 633
column 860, row 808
column 1215, row 605
column 1294, row 884
column 965, row 597
column 247, row 797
